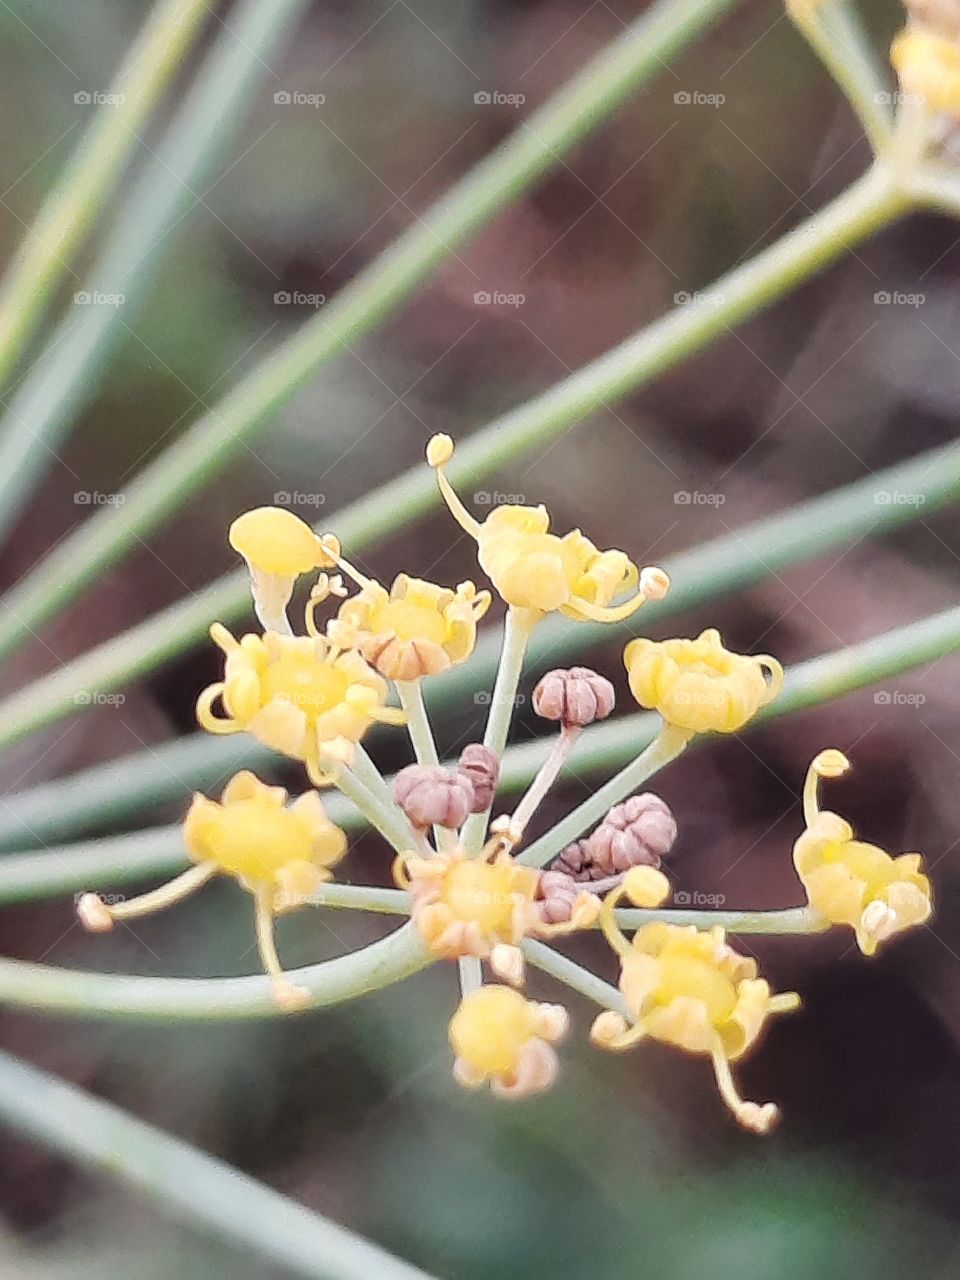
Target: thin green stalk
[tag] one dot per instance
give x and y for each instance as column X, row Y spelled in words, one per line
column 517, row 627
column 424, row 746
column 383, row 816
column 194, row 1187
column 573, row 975
column 88, row 179
column 637, row 53
column 52, row 394
column 791, row 920
column 666, row 746
column 85, row 994
column 110, row 792
column 143, row 856
column 835, row 32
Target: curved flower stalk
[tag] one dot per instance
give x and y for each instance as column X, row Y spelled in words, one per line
column 852, row 883
column 279, row 853
column 688, row 988
column 299, row 695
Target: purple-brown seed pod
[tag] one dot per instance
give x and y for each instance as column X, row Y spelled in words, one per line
column 637, row 833
column 557, row 893
column 432, row 796
column 481, row 766
column 576, row 696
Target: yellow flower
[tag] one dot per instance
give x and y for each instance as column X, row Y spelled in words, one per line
column 268, row 845
column 688, row 988
column 416, row 629
column 499, row 1036
column 298, row 695
column 280, row 853
column 698, row 684
column 481, row 906
column 539, row 571
column 854, row 883
column 929, row 68
column 277, row 546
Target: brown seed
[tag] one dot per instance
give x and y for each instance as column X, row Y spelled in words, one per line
column 434, row 796
column 481, row 766
column 575, row 696
column 638, row 832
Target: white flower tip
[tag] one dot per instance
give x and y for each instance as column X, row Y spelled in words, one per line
column 507, row 963
column 439, row 450
column 654, row 582
column 94, row 914
column 758, row 1117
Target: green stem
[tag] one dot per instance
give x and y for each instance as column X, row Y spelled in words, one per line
column 95, row 995
column 142, row 856
column 194, row 1187
column 380, row 813
column 834, row 30
column 54, row 391
column 573, row 975
column 667, row 745
column 205, row 449
column 88, row 180
column 791, row 920
column 424, row 746
column 108, row 793
column 518, row 625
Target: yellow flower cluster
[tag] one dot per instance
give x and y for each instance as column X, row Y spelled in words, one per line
column 699, row 685
column 279, row 853
column 313, row 698
column 483, row 907
column 853, row 883
column 538, row 571
column 688, row 988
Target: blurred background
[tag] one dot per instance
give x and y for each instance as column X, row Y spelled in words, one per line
column 630, row 1166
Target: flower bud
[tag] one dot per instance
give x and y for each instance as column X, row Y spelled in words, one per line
column 638, row 832
column 433, row 796
column 481, row 766
column 576, row 861
column 557, row 892
column 576, row 697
